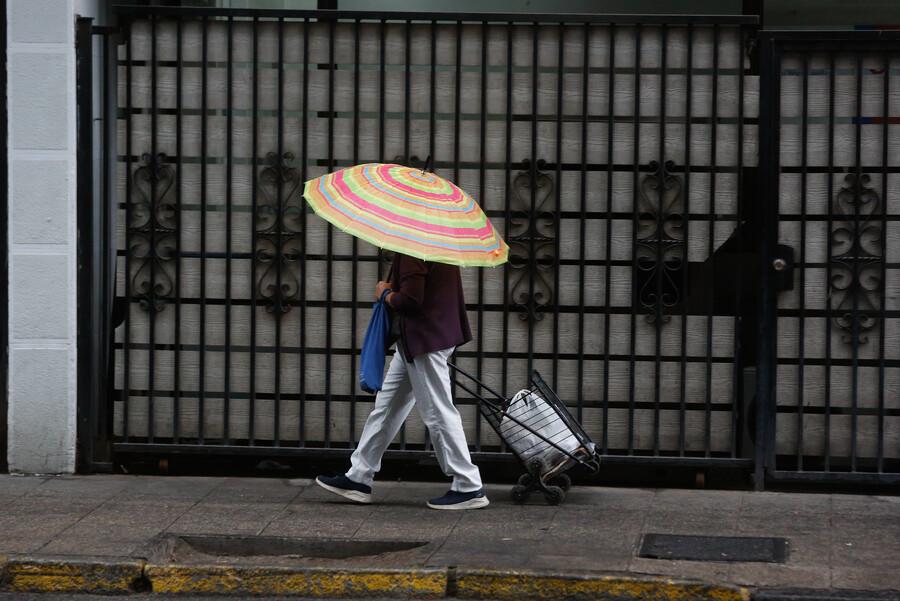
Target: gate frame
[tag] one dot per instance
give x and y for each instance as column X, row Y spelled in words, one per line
column 96, row 235
column 772, row 47
column 4, row 245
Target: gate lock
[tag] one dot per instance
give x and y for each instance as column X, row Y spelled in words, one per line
column 783, row 265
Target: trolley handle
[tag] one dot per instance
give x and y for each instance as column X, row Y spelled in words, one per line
column 474, row 379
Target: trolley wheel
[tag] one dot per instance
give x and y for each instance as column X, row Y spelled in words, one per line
column 518, row 494
column 563, row 481
column 555, row 495
column 537, row 466
column 526, row 480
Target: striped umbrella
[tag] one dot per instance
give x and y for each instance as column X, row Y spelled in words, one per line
column 408, row 210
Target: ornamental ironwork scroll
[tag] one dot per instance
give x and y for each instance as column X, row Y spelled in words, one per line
column 856, row 258
column 153, row 231
column 532, row 236
column 278, row 247
column 660, row 242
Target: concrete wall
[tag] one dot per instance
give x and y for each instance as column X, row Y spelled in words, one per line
column 42, row 234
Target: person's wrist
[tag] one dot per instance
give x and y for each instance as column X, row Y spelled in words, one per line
column 384, row 294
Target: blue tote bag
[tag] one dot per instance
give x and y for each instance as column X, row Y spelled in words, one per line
column 371, row 359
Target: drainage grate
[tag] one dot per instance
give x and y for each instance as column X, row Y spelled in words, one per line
column 248, row 546
column 172, row 548
column 714, row 548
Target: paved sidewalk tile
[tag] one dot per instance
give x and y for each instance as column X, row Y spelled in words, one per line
column 836, row 542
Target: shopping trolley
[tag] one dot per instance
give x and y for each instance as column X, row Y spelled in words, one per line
column 539, row 430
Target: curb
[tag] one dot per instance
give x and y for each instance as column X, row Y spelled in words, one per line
column 816, row 595
column 300, row 582
column 107, row 576
column 57, row 575
column 513, row 585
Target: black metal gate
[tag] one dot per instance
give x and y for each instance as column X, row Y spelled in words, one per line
column 831, row 168
column 618, row 156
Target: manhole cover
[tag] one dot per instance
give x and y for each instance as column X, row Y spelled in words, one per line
column 237, row 550
column 714, row 548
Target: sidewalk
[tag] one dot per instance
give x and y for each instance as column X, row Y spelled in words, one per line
column 118, row 534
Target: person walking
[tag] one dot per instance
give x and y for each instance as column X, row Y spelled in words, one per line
column 428, row 300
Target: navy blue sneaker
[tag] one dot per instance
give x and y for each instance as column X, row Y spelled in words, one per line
column 460, row 500
column 344, row 486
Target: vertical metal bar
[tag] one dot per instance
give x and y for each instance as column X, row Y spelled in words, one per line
column 431, row 112
column 354, row 304
column 329, row 265
column 254, row 167
column 303, row 259
column 660, row 250
column 456, row 138
column 610, row 171
column 203, row 160
column 582, row 226
column 229, row 152
column 406, row 149
column 382, row 84
column 108, row 139
column 456, row 107
column 558, row 211
column 739, row 292
column 509, row 83
column 857, row 270
column 151, row 374
column 88, row 384
column 381, row 93
column 279, row 219
column 636, row 170
column 801, row 376
column 406, row 90
column 126, row 345
column 711, row 248
column 828, row 310
column 382, row 76
column 4, row 239
column 769, row 119
column 885, row 140
column 532, row 219
column 688, row 114
column 479, row 369
column 178, row 221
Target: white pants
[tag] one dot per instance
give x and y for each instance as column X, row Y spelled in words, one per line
column 425, row 382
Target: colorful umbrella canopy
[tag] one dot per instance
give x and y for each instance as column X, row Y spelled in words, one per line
column 408, row 210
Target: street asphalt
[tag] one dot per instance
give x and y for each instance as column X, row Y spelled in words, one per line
column 124, row 534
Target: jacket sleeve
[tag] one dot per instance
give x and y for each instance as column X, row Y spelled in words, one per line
column 409, row 286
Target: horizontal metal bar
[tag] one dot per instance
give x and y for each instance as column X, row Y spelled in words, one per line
column 676, row 461
column 788, row 39
column 189, row 11
column 835, row 477
column 259, row 451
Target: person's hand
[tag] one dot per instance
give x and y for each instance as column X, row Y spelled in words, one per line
column 380, row 287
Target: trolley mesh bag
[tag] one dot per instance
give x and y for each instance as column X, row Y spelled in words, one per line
column 533, row 428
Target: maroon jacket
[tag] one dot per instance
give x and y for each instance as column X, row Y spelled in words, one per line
column 429, row 299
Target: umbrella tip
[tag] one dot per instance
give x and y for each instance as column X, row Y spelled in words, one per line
column 429, row 164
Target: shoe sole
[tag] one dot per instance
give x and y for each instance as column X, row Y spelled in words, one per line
column 476, row 503
column 353, row 495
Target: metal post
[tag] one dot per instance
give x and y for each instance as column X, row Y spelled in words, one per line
column 767, row 321
column 88, row 340
column 4, row 293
